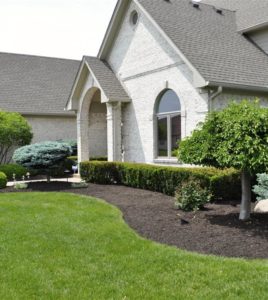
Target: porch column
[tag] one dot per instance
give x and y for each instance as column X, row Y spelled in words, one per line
column 82, row 137
column 114, row 134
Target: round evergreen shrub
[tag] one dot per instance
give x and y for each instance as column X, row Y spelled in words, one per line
column 11, row 169
column 3, row 180
column 47, row 157
column 191, row 195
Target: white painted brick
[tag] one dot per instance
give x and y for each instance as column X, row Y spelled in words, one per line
column 144, row 62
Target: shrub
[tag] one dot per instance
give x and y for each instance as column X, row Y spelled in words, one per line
column 14, row 132
column 73, row 159
column 191, row 195
column 261, row 188
column 21, row 186
column 99, row 158
column 223, row 184
column 3, row 180
column 47, row 157
column 11, row 169
column 72, row 144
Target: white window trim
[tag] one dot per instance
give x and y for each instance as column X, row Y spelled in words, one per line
column 169, row 116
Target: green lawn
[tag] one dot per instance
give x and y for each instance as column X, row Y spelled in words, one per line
column 63, row 246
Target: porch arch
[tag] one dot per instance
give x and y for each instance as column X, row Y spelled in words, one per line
column 92, row 126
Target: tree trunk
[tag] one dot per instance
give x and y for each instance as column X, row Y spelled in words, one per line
column 245, row 209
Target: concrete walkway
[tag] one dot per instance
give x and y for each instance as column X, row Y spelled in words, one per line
column 76, row 179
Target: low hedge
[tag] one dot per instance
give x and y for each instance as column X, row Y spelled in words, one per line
column 11, row 169
column 3, row 180
column 99, row 158
column 223, row 184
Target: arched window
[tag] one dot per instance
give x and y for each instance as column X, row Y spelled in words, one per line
column 168, row 115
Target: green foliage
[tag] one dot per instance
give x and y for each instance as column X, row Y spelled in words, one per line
column 223, row 184
column 72, row 144
column 261, row 188
column 73, row 159
column 234, row 137
column 46, row 157
column 99, row 172
column 3, row 180
column 79, row 185
column 99, row 158
column 14, row 132
column 21, row 186
column 191, row 195
column 11, row 169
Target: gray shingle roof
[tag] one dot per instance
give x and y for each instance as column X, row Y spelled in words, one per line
column 109, row 83
column 211, row 42
column 249, row 12
column 36, row 85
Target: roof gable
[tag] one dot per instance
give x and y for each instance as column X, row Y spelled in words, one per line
column 206, row 40
column 104, row 79
column 211, row 43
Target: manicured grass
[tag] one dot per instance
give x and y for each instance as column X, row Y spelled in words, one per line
column 64, row 246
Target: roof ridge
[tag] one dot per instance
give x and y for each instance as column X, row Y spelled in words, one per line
column 215, row 6
column 39, row 56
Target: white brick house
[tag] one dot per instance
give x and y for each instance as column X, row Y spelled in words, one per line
column 162, row 66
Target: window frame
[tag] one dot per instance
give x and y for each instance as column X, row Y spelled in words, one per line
column 168, row 116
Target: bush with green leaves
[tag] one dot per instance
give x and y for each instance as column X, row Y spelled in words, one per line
column 261, row 188
column 191, row 195
column 99, row 158
column 221, row 183
column 237, row 137
column 46, row 157
column 3, row 180
column 11, row 169
column 14, row 132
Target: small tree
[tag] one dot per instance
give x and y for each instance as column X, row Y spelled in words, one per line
column 234, row 137
column 45, row 157
column 14, row 132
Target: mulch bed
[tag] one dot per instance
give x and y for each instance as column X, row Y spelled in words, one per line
column 214, row 230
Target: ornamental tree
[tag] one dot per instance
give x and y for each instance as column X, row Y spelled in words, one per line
column 14, row 132
column 234, row 137
column 45, row 157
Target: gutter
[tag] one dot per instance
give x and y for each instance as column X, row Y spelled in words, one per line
column 212, row 96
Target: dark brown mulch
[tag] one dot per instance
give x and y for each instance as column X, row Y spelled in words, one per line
column 214, row 230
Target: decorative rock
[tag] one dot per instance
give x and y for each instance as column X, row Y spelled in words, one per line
column 261, row 207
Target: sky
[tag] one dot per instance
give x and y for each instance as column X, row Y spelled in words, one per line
column 56, row 28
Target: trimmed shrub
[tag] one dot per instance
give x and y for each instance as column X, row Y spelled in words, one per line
column 99, row 158
column 72, row 144
column 3, row 180
column 47, row 157
column 74, row 159
column 223, row 184
column 11, row 169
column 191, row 195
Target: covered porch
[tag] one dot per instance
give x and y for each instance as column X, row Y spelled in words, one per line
column 97, row 98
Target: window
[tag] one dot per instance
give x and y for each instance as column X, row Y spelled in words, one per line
column 168, row 115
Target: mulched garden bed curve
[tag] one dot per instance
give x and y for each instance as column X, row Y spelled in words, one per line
column 215, row 230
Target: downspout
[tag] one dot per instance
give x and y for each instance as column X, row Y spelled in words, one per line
column 212, row 96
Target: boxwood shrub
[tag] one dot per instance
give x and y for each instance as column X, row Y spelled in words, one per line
column 11, row 169
column 3, row 180
column 223, row 184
